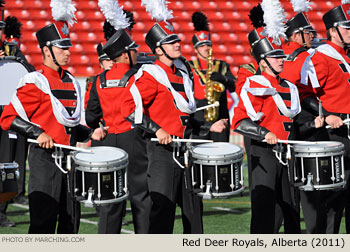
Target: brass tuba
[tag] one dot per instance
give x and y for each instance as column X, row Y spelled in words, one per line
column 213, row 90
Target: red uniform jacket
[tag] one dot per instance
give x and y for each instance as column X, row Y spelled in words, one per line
column 38, row 108
column 105, row 102
column 272, row 119
column 158, row 101
column 292, row 69
column 334, row 81
column 243, row 73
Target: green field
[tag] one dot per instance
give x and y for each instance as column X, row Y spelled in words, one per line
column 220, row 216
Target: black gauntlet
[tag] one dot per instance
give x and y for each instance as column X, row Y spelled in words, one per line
column 25, row 128
column 252, row 130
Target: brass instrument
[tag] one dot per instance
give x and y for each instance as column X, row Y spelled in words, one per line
column 213, row 90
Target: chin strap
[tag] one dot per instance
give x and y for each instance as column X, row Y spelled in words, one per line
column 303, row 38
column 271, row 68
column 346, row 46
column 161, row 47
column 130, row 59
column 53, row 55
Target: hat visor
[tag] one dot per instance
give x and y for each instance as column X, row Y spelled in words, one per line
column 133, row 46
column 62, row 43
column 278, row 53
column 202, row 43
column 344, row 24
column 309, row 28
column 170, row 39
column 104, row 57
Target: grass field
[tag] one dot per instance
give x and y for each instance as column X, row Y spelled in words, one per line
column 220, row 216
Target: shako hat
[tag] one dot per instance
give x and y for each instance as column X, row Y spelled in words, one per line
column 57, row 33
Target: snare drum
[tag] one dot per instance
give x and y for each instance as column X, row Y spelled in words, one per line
column 319, row 166
column 217, row 169
column 100, row 176
column 9, row 174
column 12, row 69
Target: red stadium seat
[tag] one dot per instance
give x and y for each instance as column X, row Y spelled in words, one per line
column 177, row 6
column 229, row 25
column 29, row 25
column 205, row 6
column 13, row 4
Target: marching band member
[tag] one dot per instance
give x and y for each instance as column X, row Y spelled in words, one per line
column 164, row 91
column 245, row 71
column 326, row 72
column 257, row 116
column 46, row 107
column 105, row 102
column 105, row 62
column 300, row 34
column 220, row 73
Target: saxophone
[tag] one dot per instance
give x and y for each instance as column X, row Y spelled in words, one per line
column 213, row 90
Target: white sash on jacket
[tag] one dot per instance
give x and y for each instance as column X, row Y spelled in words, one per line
column 269, row 90
column 308, row 70
column 160, row 76
column 59, row 110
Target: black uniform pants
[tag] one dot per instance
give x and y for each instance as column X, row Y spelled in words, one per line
column 269, row 188
column 167, row 187
column 44, row 209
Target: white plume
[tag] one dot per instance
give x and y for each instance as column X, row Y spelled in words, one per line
column 158, row 9
column 301, row 5
column 63, row 10
column 345, row 1
column 114, row 14
column 274, row 18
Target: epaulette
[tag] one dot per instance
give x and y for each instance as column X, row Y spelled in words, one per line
column 250, row 67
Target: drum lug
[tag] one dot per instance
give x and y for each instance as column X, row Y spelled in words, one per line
column 3, row 176
column 309, row 186
column 17, row 174
column 90, row 200
column 207, row 195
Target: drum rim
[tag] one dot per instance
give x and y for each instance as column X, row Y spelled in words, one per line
column 225, row 194
column 85, row 163
column 325, row 186
column 107, row 202
column 233, row 156
column 102, row 169
column 12, row 165
column 317, row 147
column 19, row 60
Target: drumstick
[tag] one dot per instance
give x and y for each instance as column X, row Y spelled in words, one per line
column 63, row 146
column 291, row 141
column 186, row 140
column 345, row 121
column 215, row 104
column 320, row 113
column 101, row 126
